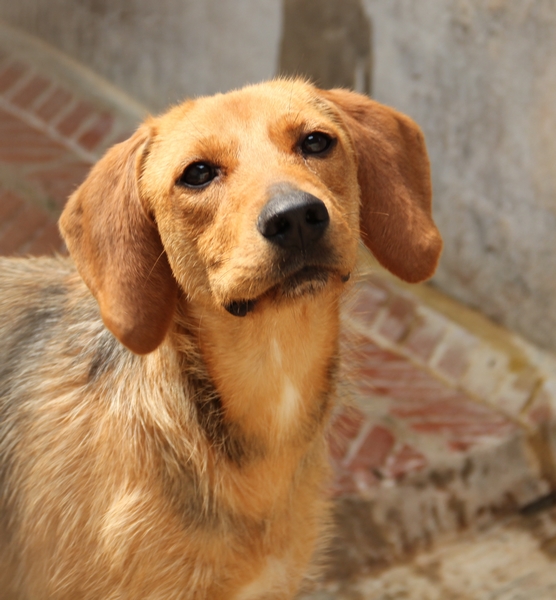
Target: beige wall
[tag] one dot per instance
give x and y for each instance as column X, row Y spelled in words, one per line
column 478, row 75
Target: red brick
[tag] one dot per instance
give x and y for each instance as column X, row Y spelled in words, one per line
column 56, row 101
column 91, row 138
column 462, row 422
column 362, row 348
column 452, row 406
column 31, row 91
column 426, row 404
column 59, row 182
column 20, row 143
column 540, row 414
column 348, row 423
column 381, row 372
column 47, row 241
column 75, row 118
column 10, row 75
column 22, row 229
column 10, row 204
column 460, row 445
column 423, row 338
column 469, row 430
column 373, row 450
column 344, row 485
column 404, row 461
column 344, row 429
column 368, row 302
column 400, row 314
column 454, row 362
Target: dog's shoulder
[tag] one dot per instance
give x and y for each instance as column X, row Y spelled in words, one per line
column 34, row 294
column 23, row 279
column 47, row 315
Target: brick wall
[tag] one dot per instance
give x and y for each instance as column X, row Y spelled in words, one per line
column 50, row 135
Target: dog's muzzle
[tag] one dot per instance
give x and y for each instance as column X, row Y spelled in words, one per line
column 294, row 222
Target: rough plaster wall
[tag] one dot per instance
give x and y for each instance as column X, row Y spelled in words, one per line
column 160, row 51
column 480, row 78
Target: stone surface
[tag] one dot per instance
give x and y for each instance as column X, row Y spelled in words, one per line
column 515, row 560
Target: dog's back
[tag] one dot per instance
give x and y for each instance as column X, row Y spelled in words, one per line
column 50, row 327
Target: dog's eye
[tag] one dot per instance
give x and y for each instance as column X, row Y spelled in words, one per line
column 316, row 143
column 197, row 175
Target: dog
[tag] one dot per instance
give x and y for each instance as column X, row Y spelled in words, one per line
column 165, row 390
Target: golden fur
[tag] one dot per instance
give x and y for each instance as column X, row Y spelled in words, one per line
column 153, row 444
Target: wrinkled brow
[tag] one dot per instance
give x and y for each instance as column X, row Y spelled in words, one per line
column 326, row 109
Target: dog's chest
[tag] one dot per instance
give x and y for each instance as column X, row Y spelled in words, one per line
column 274, row 374
column 273, row 578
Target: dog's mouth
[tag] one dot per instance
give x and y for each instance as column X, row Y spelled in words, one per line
column 309, row 280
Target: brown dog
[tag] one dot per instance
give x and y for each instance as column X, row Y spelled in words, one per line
column 164, row 395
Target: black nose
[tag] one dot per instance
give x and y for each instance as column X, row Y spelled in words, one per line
column 293, row 219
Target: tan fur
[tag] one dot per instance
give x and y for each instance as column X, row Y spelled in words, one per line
column 152, row 445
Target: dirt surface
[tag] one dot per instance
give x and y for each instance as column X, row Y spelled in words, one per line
column 514, row 560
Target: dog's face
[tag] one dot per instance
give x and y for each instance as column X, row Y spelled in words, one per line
column 254, row 197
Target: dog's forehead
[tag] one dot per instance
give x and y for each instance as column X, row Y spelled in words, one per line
column 251, row 109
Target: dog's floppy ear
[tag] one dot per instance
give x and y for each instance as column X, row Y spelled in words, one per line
column 117, row 248
column 394, row 178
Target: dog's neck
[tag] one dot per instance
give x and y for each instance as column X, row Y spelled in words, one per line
column 273, row 370
column 272, row 376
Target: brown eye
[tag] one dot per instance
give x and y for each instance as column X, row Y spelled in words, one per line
column 197, row 174
column 316, row 143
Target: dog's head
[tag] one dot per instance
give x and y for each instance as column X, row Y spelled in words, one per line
column 252, row 197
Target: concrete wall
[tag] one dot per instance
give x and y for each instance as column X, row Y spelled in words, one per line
column 480, row 78
column 478, row 75
column 328, row 40
column 160, row 51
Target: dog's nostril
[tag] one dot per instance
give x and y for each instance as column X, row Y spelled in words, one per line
column 277, row 226
column 317, row 215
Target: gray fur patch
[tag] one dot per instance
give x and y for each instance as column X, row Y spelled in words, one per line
column 104, row 356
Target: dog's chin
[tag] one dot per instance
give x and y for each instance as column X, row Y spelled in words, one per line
column 308, row 281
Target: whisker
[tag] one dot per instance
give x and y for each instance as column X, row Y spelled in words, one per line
column 155, row 263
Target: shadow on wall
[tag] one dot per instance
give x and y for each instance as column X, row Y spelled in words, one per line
column 329, row 42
